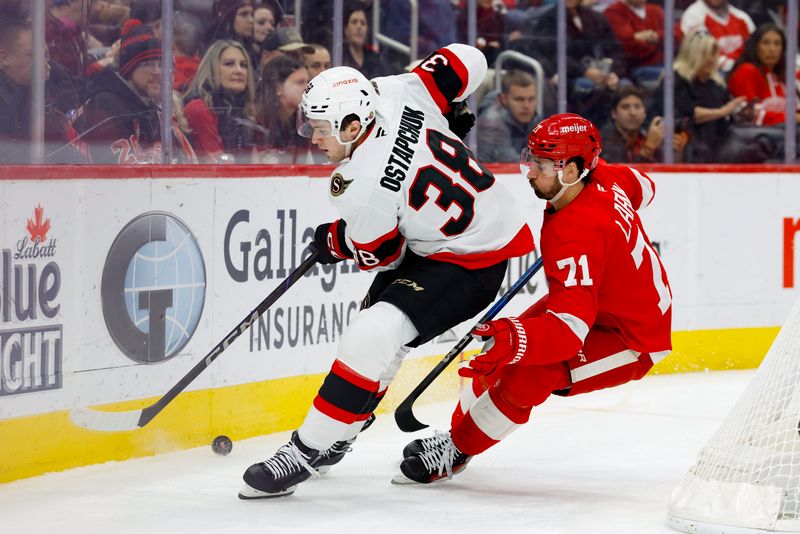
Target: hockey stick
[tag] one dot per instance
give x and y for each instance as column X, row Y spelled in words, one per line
column 131, row 420
column 403, row 415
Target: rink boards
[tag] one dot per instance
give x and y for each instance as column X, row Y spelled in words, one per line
column 114, row 282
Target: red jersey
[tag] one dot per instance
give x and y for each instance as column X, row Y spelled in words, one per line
column 627, row 21
column 602, row 271
column 756, row 83
column 731, row 30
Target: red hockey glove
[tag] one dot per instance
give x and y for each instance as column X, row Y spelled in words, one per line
column 507, row 346
column 331, row 244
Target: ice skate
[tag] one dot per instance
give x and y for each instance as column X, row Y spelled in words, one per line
column 418, row 446
column 437, row 463
column 280, row 475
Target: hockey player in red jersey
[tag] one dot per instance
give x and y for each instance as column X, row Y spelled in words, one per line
column 418, row 209
column 605, row 321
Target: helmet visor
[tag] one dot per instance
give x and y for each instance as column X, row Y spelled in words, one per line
column 529, row 161
column 313, row 128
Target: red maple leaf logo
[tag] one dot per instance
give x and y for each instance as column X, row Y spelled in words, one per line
column 38, row 228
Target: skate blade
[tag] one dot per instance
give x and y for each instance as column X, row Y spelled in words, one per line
column 324, row 469
column 248, row 493
column 401, row 480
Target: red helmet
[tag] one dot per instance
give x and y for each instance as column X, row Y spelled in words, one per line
column 566, row 136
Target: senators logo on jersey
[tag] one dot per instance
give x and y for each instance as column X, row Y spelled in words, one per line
column 339, row 184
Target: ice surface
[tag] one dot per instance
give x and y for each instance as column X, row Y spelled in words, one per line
column 602, row 463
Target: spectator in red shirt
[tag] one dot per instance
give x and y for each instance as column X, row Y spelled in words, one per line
column 186, row 39
column 760, row 75
column 220, row 103
column 639, row 26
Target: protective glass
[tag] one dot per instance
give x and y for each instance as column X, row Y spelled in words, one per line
column 528, row 161
column 311, row 128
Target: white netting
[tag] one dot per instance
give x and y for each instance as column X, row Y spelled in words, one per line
column 748, row 475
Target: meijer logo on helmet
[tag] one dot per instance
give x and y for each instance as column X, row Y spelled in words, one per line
column 574, row 128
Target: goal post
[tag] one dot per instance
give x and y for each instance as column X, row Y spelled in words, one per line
column 747, row 477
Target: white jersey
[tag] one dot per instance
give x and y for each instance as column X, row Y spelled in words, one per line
column 413, row 185
column 730, row 30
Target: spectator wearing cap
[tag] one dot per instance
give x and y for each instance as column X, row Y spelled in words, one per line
column 279, row 93
column 357, row 53
column 220, row 103
column 120, row 120
column 283, row 41
column 504, row 125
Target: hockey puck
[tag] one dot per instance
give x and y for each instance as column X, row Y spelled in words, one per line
column 222, row 445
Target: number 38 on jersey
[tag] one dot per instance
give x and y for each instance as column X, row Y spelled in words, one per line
column 454, row 197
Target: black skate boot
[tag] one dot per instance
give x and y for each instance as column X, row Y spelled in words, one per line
column 278, row 476
column 336, row 452
column 418, row 446
column 434, row 464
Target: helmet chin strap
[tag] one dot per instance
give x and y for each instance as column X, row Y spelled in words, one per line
column 564, row 187
column 348, row 145
column 348, row 148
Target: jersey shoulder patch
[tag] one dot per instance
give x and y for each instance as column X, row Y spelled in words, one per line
column 339, row 184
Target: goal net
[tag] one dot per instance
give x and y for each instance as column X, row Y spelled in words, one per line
column 747, row 478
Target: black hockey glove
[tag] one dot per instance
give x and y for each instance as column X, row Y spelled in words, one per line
column 460, row 119
column 330, row 241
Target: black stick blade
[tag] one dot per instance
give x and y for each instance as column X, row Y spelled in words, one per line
column 405, row 419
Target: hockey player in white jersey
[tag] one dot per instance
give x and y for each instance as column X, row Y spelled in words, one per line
column 417, row 208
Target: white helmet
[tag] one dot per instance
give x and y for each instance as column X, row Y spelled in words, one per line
column 330, row 97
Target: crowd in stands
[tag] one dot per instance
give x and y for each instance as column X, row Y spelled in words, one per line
column 240, row 67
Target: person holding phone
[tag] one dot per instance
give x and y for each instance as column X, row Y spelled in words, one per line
column 627, row 140
column 760, row 75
